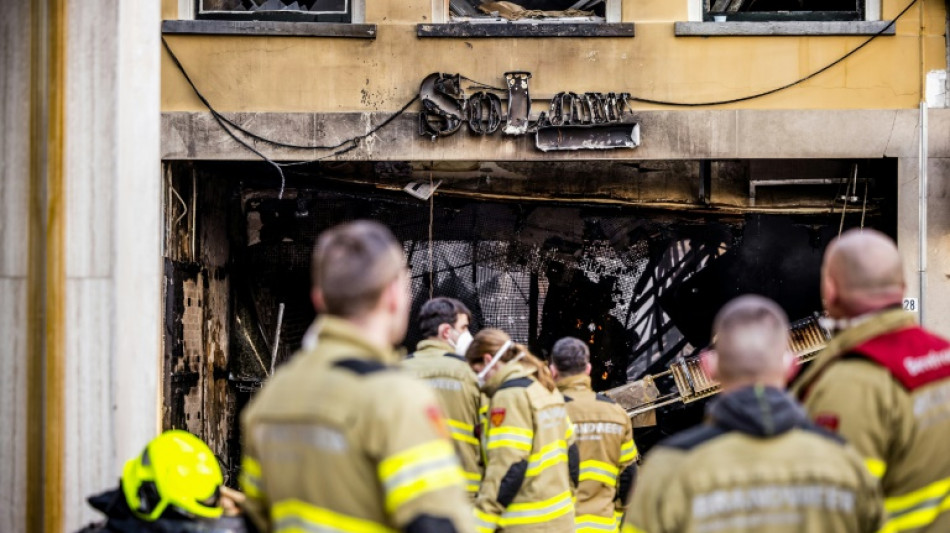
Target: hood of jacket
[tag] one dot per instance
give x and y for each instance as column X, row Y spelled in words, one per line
column 758, row 411
column 506, row 373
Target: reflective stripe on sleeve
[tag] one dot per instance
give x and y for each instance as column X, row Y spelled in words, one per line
column 461, row 431
column 549, row 455
column 295, row 516
column 485, row 522
column 917, row 509
column 538, row 512
column 250, row 478
column 876, row 467
column 592, row 470
column 630, row 528
column 591, row 523
column 472, row 480
column 511, row 437
column 419, row 470
column 628, row 451
column 569, row 433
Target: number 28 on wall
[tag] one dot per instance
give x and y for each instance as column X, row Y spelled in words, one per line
column 910, row 304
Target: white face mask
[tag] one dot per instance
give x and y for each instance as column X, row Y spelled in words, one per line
column 463, row 342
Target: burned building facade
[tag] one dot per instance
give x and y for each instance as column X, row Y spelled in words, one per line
column 615, row 171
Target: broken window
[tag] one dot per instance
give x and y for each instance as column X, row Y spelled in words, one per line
column 284, row 10
column 523, row 10
column 780, row 10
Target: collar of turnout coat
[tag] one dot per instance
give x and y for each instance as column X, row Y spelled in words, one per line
column 578, row 382
column 882, row 322
column 507, row 373
column 757, row 410
column 340, row 338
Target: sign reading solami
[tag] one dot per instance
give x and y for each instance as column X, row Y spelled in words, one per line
column 573, row 121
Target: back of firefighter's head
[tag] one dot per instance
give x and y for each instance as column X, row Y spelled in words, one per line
column 359, row 274
column 861, row 272
column 751, row 344
column 444, row 318
column 570, row 357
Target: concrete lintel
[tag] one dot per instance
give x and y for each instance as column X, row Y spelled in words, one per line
column 789, row 28
column 269, row 28
column 700, row 134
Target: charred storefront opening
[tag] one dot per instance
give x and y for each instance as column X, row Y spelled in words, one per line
column 633, row 257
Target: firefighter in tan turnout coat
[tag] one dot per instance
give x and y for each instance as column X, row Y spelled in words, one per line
column 757, row 463
column 883, row 382
column 532, row 462
column 439, row 360
column 604, row 440
column 338, row 440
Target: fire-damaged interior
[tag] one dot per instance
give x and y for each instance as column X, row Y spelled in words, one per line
column 634, row 257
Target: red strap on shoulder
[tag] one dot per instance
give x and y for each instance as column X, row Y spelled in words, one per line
column 914, row 356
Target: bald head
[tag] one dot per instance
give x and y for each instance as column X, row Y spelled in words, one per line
column 751, row 338
column 862, row 272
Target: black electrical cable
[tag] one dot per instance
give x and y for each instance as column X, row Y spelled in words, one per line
column 349, row 144
column 783, row 87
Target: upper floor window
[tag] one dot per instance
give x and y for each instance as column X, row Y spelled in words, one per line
column 783, row 10
column 532, row 10
column 285, row 10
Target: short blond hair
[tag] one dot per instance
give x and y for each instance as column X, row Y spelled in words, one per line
column 751, row 337
column 353, row 263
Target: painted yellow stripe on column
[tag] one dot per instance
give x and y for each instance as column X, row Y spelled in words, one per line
column 46, row 341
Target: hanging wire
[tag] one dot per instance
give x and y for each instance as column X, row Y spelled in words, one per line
column 431, row 227
column 864, row 205
column 847, row 193
column 345, row 145
column 787, row 85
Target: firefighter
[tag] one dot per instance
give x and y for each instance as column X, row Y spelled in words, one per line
column 883, row 382
column 532, row 462
column 339, row 439
column 439, row 360
column 173, row 486
column 604, row 440
column 757, row 463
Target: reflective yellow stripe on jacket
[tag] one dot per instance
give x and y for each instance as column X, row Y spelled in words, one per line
column 472, row 480
column 628, row 451
column 418, row 470
column 630, row 528
column 461, row 431
column 511, row 437
column 591, row 523
column 593, row 470
column 876, row 467
column 484, row 522
column 295, row 516
column 538, row 512
column 550, row 455
column 250, row 478
column 918, row 508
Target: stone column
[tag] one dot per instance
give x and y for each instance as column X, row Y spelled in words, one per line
column 113, row 245
column 80, row 363
column 14, row 264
